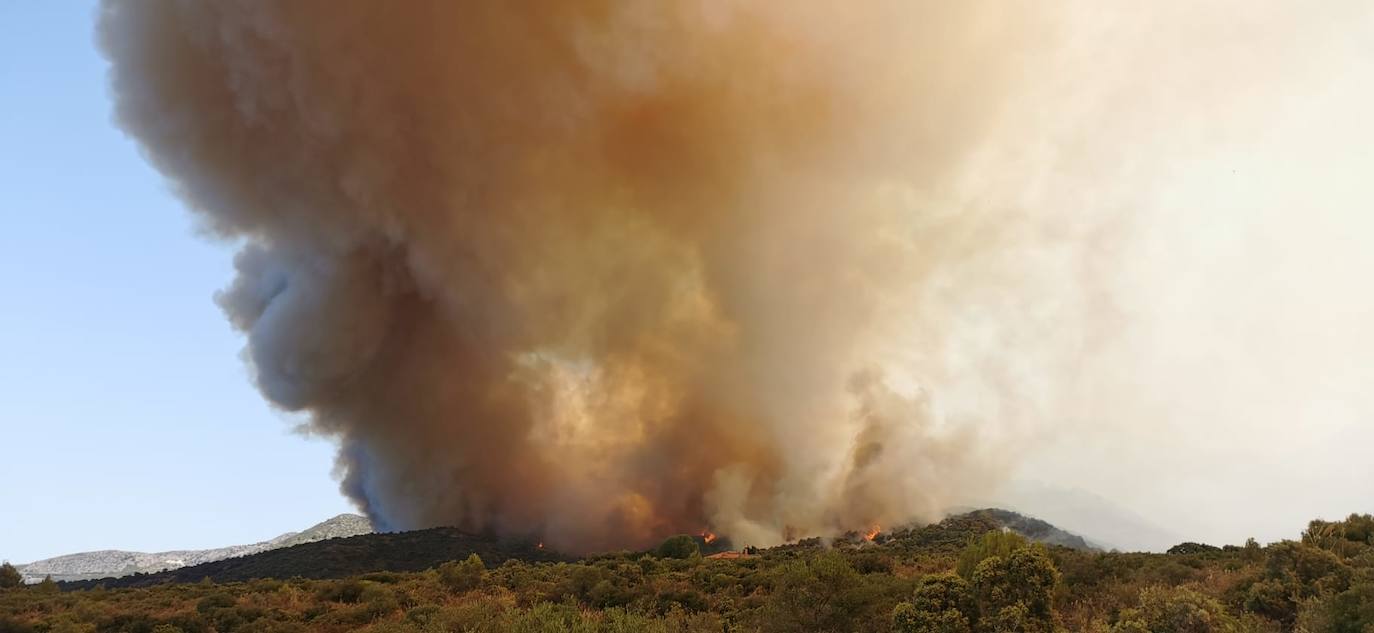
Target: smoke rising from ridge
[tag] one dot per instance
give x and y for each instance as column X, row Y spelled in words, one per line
column 605, row 272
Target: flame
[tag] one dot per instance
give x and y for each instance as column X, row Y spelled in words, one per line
column 873, row 532
column 708, row 536
column 540, row 546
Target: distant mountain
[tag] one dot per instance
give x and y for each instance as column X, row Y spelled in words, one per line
column 424, row 549
column 344, row 557
column 116, row 563
column 341, row 526
column 1106, row 524
column 421, row 549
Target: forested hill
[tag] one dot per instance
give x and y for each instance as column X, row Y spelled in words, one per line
column 970, row 573
column 422, row 549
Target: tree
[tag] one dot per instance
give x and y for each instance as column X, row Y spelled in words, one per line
column 680, row 546
column 995, row 543
column 1295, row 573
column 942, row 604
column 1016, row 593
column 465, row 576
column 1359, row 528
column 1175, row 610
column 1352, row 611
column 823, row 593
column 10, row 577
column 47, row 586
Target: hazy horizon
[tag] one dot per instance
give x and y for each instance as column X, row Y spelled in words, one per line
column 1197, row 363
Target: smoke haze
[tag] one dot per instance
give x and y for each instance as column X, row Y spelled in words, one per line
column 603, row 272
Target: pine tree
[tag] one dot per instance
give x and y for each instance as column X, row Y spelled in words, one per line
column 10, row 577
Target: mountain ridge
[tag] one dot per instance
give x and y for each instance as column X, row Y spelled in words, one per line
column 112, row 563
column 423, row 549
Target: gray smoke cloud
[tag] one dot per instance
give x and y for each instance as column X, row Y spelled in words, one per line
column 604, row 272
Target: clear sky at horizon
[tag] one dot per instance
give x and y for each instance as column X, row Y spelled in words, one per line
column 129, row 421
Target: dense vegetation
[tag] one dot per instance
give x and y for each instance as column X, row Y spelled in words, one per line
column 965, row 574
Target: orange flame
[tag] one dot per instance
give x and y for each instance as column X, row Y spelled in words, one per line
column 708, row 536
column 872, row 533
column 540, row 546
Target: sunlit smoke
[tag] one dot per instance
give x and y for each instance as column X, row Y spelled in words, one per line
column 601, row 272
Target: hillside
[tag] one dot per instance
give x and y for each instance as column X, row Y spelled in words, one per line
column 422, row 549
column 970, row 573
column 342, row 557
column 1033, row 528
column 1106, row 523
column 118, row 563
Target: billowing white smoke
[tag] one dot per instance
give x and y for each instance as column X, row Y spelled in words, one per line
column 606, row 271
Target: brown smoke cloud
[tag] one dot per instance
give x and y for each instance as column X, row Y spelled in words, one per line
column 606, row 271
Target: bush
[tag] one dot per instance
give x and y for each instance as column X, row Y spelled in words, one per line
column 1016, row 593
column 1352, row 611
column 870, row 563
column 823, row 593
column 47, row 586
column 995, row 543
column 1184, row 549
column 423, row 614
column 681, row 546
column 1175, row 610
column 12, row 625
column 343, row 591
column 10, row 577
column 942, row 604
column 687, row 600
column 214, row 601
column 379, row 601
column 1294, row 574
column 464, row 576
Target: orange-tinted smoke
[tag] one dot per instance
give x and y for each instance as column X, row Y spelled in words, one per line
column 597, row 271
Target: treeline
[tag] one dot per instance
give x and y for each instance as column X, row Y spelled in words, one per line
column 964, row 575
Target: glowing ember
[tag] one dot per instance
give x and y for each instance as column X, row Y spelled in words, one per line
column 708, row 536
column 872, row 533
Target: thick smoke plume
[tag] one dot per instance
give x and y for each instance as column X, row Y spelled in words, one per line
column 606, row 271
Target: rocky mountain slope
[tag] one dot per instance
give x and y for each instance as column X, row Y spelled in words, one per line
column 343, row 557
column 116, row 563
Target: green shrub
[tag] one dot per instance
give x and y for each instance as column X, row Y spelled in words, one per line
column 219, row 600
column 465, row 576
column 379, row 601
column 941, row 604
column 822, row 592
column 873, row 563
column 1016, row 591
column 422, row 615
column 1175, row 610
column 10, row 577
column 1352, row 611
column 342, row 591
column 681, row 546
column 14, row 625
column 995, row 543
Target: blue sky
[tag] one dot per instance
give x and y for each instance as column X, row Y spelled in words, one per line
column 128, row 421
